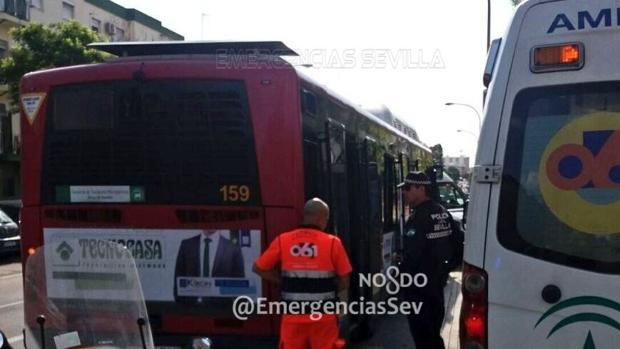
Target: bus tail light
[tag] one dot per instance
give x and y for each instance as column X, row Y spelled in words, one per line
column 474, row 309
column 557, row 57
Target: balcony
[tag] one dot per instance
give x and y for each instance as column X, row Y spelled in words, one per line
column 17, row 9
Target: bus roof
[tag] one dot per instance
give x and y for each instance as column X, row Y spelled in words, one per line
column 154, row 48
column 202, row 49
column 347, row 103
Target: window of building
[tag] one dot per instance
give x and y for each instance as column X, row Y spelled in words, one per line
column 5, row 130
column 36, row 4
column 119, row 34
column 68, row 11
column 4, row 48
column 95, row 24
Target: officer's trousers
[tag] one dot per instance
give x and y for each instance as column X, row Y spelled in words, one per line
column 426, row 327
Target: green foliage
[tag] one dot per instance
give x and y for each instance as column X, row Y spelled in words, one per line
column 454, row 173
column 516, row 2
column 41, row 46
column 437, row 151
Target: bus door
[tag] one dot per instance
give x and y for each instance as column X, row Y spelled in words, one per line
column 325, row 168
column 390, row 210
column 402, row 168
column 365, row 204
column 326, row 175
column 313, row 170
column 335, row 156
column 358, row 229
column 371, row 210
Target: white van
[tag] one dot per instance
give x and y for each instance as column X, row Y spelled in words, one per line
column 542, row 255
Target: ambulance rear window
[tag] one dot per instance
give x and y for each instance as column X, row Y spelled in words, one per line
column 560, row 194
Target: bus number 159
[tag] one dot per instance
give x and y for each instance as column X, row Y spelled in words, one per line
column 234, row 193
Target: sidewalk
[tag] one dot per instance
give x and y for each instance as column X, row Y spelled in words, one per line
column 453, row 298
column 393, row 331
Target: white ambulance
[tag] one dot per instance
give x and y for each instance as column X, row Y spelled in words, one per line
column 542, row 255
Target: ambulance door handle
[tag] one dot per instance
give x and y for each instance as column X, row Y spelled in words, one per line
column 551, row 294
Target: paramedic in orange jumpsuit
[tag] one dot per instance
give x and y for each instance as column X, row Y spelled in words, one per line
column 314, row 265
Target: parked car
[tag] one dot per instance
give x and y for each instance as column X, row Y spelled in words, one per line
column 452, row 197
column 9, row 234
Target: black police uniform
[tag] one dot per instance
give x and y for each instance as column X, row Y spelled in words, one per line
column 427, row 248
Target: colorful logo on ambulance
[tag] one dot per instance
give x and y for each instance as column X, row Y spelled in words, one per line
column 599, row 311
column 579, row 174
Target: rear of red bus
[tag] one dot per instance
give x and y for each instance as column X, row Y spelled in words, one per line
column 193, row 164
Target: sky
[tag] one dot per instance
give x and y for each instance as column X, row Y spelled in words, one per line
column 412, row 56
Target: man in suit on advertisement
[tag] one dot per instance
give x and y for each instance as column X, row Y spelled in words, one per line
column 209, row 254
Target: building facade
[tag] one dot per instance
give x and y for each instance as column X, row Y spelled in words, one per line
column 460, row 162
column 112, row 21
column 13, row 13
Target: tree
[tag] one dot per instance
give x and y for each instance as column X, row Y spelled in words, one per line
column 41, row 46
column 516, row 2
column 437, row 151
column 437, row 168
column 454, row 173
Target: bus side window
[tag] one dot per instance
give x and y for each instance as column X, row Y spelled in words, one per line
column 404, row 168
column 314, row 186
column 374, row 196
column 335, row 160
column 315, row 182
column 308, row 103
column 389, row 194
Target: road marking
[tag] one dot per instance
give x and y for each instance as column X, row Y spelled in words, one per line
column 16, row 339
column 10, row 276
column 8, row 305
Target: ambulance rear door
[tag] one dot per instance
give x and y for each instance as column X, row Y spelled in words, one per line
column 552, row 250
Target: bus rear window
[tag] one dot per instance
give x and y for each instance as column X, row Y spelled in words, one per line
column 180, row 141
column 560, row 191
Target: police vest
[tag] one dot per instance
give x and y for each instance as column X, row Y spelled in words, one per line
column 308, row 271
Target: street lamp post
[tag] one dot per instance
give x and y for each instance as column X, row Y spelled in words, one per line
column 465, row 131
column 488, row 24
column 203, row 16
column 475, row 139
column 472, row 108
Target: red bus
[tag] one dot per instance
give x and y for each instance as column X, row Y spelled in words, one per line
column 195, row 156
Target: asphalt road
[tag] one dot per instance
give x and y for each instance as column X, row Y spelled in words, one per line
column 391, row 332
column 11, row 303
column 12, row 313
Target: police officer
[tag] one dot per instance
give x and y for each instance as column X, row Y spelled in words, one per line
column 314, row 265
column 427, row 248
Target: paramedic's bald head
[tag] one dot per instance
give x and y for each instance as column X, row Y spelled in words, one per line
column 316, row 212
